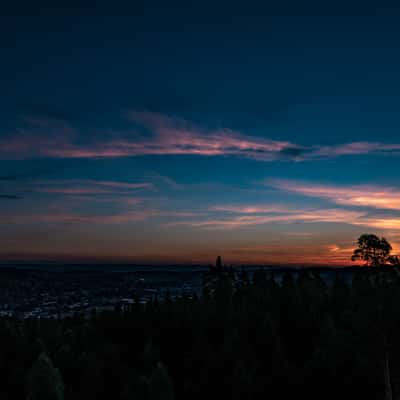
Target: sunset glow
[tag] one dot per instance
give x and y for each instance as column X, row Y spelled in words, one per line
column 283, row 150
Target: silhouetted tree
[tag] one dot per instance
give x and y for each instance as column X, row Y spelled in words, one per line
column 44, row 381
column 160, row 385
column 373, row 250
column 259, row 277
column 150, row 357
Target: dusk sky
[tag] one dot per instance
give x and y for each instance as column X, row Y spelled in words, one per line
column 176, row 134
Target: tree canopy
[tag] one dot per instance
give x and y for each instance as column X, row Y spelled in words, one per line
column 268, row 334
column 374, row 251
column 45, row 382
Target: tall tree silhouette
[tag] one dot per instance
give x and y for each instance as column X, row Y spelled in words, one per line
column 374, row 251
column 45, row 382
column 160, row 385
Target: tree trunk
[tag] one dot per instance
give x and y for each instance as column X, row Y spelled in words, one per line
column 388, row 386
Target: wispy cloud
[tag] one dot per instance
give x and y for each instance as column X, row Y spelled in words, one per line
column 380, row 223
column 119, row 185
column 240, row 216
column 89, row 187
column 9, row 197
column 340, row 249
column 26, row 175
column 356, row 195
column 356, row 148
column 292, row 216
column 73, row 217
column 252, row 209
column 165, row 135
column 36, row 138
column 167, row 181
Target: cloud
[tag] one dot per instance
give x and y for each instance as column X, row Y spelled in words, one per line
column 89, row 187
column 240, row 216
column 312, row 216
column 339, row 249
column 122, row 217
column 167, row 136
column 355, row 148
column 11, row 181
column 164, row 135
column 177, row 137
column 356, row 195
column 291, row 216
column 8, row 178
column 297, row 153
column 380, row 223
column 168, row 181
column 9, row 197
column 252, row 209
column 117, row 184
column 26, row 175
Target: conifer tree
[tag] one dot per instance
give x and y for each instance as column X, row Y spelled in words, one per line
column 45, row 382
column 160, row 385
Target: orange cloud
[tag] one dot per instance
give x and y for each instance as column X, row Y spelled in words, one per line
column 328, row 215
column 355, row 195
column 236, row 216
column 252, row 209
column 380, row 223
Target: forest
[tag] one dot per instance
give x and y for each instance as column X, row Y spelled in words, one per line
column 246, row 337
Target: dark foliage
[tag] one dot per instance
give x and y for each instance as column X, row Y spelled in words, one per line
column 247, row 338
column 374, row 251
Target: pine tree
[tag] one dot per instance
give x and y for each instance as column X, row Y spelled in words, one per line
column 160, row 385
column 45, row 382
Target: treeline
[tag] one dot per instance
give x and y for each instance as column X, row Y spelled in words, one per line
column 247, row 338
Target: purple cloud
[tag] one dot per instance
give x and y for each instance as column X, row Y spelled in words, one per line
column 167, row 136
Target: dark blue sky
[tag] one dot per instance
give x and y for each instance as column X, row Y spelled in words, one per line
column 173, row 133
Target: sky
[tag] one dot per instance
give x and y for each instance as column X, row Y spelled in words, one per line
column 166, row 133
